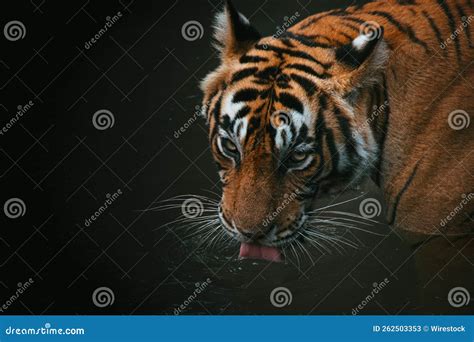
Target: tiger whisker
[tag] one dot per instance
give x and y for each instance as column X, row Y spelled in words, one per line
column 189, row 221
column 334, row 239
column 341, row 218
column 339, row 203
column 316, row 243
column 339, row 224
column 349, row 214
column 305, row 250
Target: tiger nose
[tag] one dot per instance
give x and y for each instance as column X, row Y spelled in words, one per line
column 255, row 234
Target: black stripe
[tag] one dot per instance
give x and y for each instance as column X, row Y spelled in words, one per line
column 244, row 73
column 308, row 86
column 402, row 28
column 305, row 40
column 452, row 26
column 350, row 39
column 406, row 2
column 400, row 194
column 317, row 37
column 216, row 114
column 254, row 124
column 436, row 30
column 382, row 131
column 244, row 111
column 312, row 21
column 245, row 95
column 352, row 27
column 252, row 59
column 466, row 30
column 324, row 132
column 307, row 70
column 355, row 20
column 290, row 101
column 292, row 53
column 209, row 103
column 333, row 151
column 346, row 130
column 267, row 73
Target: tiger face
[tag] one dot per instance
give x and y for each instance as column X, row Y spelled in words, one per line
column 282, row 115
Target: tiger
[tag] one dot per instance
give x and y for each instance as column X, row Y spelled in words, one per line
column 365, row 92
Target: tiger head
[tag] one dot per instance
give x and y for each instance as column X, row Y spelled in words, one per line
column 284, row 116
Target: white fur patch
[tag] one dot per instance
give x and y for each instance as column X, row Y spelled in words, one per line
column 229, row 108
column 360, row 42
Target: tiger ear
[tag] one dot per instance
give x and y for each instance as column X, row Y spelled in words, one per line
column 233, row 33
column 362, row 58
column 360, row 49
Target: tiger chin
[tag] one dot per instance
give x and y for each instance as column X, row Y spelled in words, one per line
column 334, row 99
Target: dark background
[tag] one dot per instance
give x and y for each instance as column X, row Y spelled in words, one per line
column 147, row 75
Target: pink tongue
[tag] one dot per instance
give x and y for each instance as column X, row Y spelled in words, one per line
column 252, row 251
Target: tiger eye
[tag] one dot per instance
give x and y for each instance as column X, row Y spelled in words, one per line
column 229, row 145
column 298, row 157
